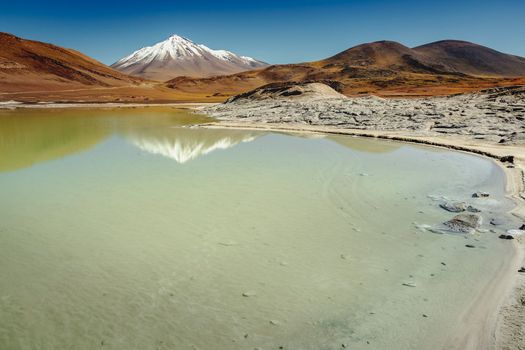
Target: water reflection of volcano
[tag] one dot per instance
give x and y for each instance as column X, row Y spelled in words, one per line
column 185, row 144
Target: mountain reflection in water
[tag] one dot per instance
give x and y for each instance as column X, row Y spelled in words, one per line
column 28, row 137
column 185, row 144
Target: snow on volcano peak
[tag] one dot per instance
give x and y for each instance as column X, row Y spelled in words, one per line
column 178, row 56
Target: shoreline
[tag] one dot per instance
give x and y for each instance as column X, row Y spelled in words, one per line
column 8, row 105
column 484, row 323
column 515, row 176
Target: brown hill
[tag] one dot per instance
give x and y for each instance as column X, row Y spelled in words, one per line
column 472, row 59
column 384, row 68
column 27, row 65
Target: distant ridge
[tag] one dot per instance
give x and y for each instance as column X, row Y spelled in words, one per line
column 177, row 56
column 33, row 71
column 472, row 59
column 385, row 67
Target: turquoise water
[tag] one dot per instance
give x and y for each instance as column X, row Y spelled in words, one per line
column 125, row 229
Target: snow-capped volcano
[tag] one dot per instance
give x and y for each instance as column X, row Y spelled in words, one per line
column 179, row 56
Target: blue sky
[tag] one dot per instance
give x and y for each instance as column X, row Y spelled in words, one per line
column 274, row 31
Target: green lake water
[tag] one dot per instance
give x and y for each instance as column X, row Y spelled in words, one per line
column 127, row 229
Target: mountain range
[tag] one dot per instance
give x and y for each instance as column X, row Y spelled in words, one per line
column 37, row 71
column 383, row 67
column 179, row 56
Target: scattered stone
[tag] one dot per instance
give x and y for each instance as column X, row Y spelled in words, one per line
column 470, row 246
column 464, row 223
column 425, row 315
column 442, row 263
column 248, row 294
column 275, row 322
column 480, row 195
column 522, row 227
column 228, row 243
column 506, row 237
column 497, row 221
column 409, row 284
column 522, row 270
column 515, row 233
column 507, row 159
column 471, row 209
column 454, row 207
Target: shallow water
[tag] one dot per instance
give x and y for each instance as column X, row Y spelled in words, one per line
column 124, row 230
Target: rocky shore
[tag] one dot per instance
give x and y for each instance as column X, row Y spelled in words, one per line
column 496, row 115
column 489, row 122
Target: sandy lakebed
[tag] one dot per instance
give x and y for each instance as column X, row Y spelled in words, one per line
column 496, row 316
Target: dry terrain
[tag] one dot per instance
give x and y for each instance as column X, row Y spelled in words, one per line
column 32, row 71
column 382, row 68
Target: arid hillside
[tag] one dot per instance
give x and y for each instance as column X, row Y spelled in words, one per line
column 32, row 65
column 32, row 71
column 384, row 68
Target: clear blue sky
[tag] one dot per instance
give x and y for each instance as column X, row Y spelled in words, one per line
column 274, row 31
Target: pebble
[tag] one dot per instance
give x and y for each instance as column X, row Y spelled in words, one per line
column 228, row 243
column 480, row 195
column 249, row 294
column 470, row 246
column 515, row 233
column 497, row 221
column 455, row 207
column 471, row 209
column 522, row 270
column 464, row 223
column 409, row 284
column 506, row 237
